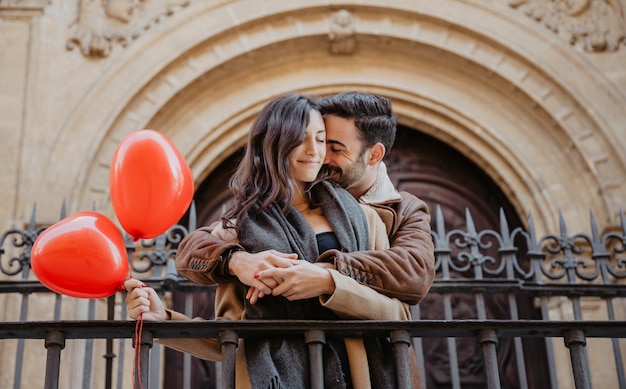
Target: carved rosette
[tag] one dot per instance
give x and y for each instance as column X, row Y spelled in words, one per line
column 592, row 25
column 102, row 22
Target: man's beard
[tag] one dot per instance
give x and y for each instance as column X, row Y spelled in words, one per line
column 347, row 177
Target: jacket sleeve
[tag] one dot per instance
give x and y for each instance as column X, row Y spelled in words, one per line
column 352, row 300
column 406, row 270
column 229, row 306
column 207, row 349
column 200, row 256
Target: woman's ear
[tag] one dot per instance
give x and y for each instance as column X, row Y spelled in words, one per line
column 377, row 152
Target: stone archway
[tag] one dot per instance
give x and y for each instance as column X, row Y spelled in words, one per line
column 442, row 71
column 485, row 89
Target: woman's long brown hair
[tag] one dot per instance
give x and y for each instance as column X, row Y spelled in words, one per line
column 262, row 177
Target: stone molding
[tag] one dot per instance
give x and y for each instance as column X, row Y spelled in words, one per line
column 101, row 23
column 23, row 4
column 23, row 8
column 592, row 25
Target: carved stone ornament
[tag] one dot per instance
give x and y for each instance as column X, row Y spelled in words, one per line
column 341, row 33
column 593, row 25
column 102, row 22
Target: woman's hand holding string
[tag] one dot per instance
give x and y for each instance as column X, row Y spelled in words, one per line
column 144, row 301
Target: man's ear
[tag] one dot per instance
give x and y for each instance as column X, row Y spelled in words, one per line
column 377, row 152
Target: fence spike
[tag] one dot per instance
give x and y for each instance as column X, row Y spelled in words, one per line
column 441, row 229
column 562, row 226
column 471, row 228
column 531, row 225
column 33, row 217
column 504, row 225
column 63, row 210
column 595, row 234
column 193, row 217
column 533, row 244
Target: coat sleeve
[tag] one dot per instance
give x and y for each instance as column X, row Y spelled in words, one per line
column 200, row 255
column 229, row 306
column 407, row 269
column 352, row 300
column 207, row 349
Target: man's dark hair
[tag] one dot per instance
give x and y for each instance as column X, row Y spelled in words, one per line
column 372, row 115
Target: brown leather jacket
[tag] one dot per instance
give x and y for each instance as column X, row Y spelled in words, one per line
column 405, row 271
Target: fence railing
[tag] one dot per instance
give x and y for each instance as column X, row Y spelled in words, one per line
column 508, row 309
column 486, row 333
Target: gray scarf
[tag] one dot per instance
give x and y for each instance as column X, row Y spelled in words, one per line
column 283, row 362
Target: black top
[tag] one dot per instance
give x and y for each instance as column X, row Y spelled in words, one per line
column 327, row 241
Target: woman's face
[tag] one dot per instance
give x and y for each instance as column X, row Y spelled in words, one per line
column 305, row 161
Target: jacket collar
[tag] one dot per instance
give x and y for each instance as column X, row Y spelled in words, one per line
column 383, row 190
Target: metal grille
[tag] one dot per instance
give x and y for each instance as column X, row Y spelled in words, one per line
column 559, row 274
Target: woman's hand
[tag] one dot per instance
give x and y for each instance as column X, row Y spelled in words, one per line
column 302, row 281
column 143, row 301
column 246, row 266
column 254, row 294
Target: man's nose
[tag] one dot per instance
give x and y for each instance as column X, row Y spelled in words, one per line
column 327, row 157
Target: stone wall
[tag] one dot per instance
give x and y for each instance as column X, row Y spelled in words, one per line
column 532, row 91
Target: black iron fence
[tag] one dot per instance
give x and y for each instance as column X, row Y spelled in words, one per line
column 509, row 309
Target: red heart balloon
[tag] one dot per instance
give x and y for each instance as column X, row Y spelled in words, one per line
column 81, row 256
column 151, row 184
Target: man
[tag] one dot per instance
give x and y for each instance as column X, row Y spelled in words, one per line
column 360, row 130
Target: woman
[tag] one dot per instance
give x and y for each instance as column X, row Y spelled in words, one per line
column 280, row 204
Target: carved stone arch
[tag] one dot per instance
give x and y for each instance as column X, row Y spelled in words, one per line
column 202, row 80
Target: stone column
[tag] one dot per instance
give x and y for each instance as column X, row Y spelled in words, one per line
column 19, row 26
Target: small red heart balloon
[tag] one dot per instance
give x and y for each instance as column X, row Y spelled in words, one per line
column 81, row 256
column 151, row 184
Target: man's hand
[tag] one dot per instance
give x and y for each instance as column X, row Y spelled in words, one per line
column 246, row 266
column 302, row 281
column 143, row 301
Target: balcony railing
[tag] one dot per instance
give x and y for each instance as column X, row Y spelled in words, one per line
column 508, row 309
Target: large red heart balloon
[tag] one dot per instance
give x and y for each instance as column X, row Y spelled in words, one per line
column 82, row 256
column 151, row 184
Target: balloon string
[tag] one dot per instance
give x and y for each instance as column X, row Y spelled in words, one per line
column 138, row 327
column 137, row 356
column 132, row 261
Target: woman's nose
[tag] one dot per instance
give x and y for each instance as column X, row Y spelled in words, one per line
column 310, row 147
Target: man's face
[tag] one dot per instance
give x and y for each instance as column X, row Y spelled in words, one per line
column 345, row 154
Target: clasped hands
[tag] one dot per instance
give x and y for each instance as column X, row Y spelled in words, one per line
column 266, row 273
column 274, row 273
